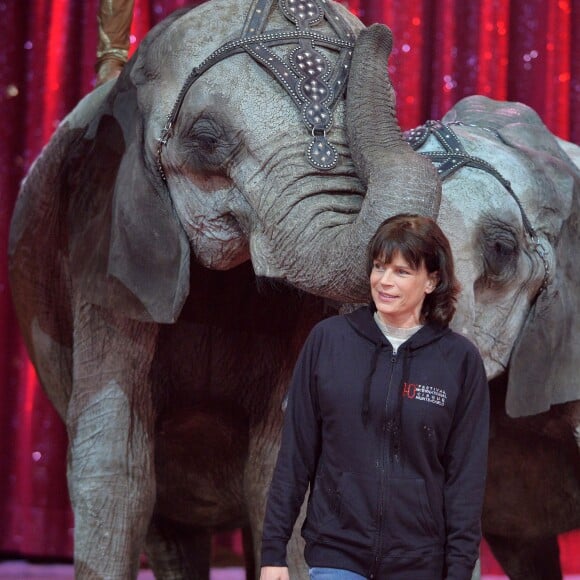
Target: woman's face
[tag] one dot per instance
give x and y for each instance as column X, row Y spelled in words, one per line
column 398, row 290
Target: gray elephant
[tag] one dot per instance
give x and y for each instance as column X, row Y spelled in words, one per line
column 190, row 222
column 529, row 339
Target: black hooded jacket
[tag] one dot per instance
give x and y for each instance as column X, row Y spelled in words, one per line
column 393, row 448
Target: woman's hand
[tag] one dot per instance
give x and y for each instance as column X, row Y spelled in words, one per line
column 274, row 573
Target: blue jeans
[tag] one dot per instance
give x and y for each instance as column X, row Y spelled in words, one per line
column 333, row 574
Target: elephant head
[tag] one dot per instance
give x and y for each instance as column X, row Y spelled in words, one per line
column 514, row 246
column 233, row 182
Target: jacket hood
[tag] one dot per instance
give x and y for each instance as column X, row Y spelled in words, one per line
column 363, row 323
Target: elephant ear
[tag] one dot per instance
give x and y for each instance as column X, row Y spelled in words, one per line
column 128, row 251
column 544, row 361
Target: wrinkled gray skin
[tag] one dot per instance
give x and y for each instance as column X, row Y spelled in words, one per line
column 168, row 361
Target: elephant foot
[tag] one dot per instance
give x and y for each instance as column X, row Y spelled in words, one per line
column 529, row 559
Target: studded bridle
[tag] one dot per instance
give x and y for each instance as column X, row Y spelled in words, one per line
column 454, row 156
column 306, row 74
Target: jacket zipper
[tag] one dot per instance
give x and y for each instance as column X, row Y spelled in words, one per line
column 382, row 466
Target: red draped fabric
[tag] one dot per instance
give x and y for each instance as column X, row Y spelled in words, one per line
column 523, row 50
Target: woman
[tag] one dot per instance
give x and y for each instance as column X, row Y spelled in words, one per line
column 387, row 422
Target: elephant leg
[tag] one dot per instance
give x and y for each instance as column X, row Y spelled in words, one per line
column 248, row 547
column 476, row 575
column 528, row 559
column 263, row 451
column 258, row 473
column 110, row 458
column 295, row 551
column 177, row 551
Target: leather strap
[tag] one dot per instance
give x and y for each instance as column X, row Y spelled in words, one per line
column 454, row 156
column 314, row 85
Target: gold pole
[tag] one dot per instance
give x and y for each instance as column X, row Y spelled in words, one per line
column 114, row 19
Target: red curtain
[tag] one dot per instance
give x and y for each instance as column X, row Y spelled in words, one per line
column 521, row 50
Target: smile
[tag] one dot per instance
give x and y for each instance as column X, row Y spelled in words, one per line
column 387, row 297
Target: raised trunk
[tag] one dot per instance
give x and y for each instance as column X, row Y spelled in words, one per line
column 330, row 260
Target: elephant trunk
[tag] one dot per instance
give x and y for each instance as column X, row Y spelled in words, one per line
column 382, row 158
column 331, row 260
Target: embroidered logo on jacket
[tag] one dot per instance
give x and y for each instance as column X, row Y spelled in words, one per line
column 425, row 393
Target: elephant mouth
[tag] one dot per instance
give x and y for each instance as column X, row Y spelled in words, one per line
column 219, row 243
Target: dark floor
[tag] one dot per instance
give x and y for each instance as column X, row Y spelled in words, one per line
column 21, row 570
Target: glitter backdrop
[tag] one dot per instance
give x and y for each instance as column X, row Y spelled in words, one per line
column 522, row 50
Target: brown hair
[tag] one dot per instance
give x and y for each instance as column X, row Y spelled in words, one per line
column 420, row 241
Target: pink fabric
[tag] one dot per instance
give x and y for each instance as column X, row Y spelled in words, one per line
column 519, row 50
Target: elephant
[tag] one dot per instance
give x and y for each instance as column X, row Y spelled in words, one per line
column 190, row 222
column 533, row 475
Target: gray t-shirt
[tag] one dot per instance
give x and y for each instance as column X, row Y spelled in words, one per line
column 396, row 336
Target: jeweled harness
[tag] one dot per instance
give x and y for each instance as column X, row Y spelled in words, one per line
column 306, row 74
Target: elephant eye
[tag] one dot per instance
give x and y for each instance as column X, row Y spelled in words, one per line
column 209, row 145
column 207, row 142
column 500, row 251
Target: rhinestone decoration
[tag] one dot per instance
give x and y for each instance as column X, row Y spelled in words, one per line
column 313, row 70
column 321, row 153
column 303, row 13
